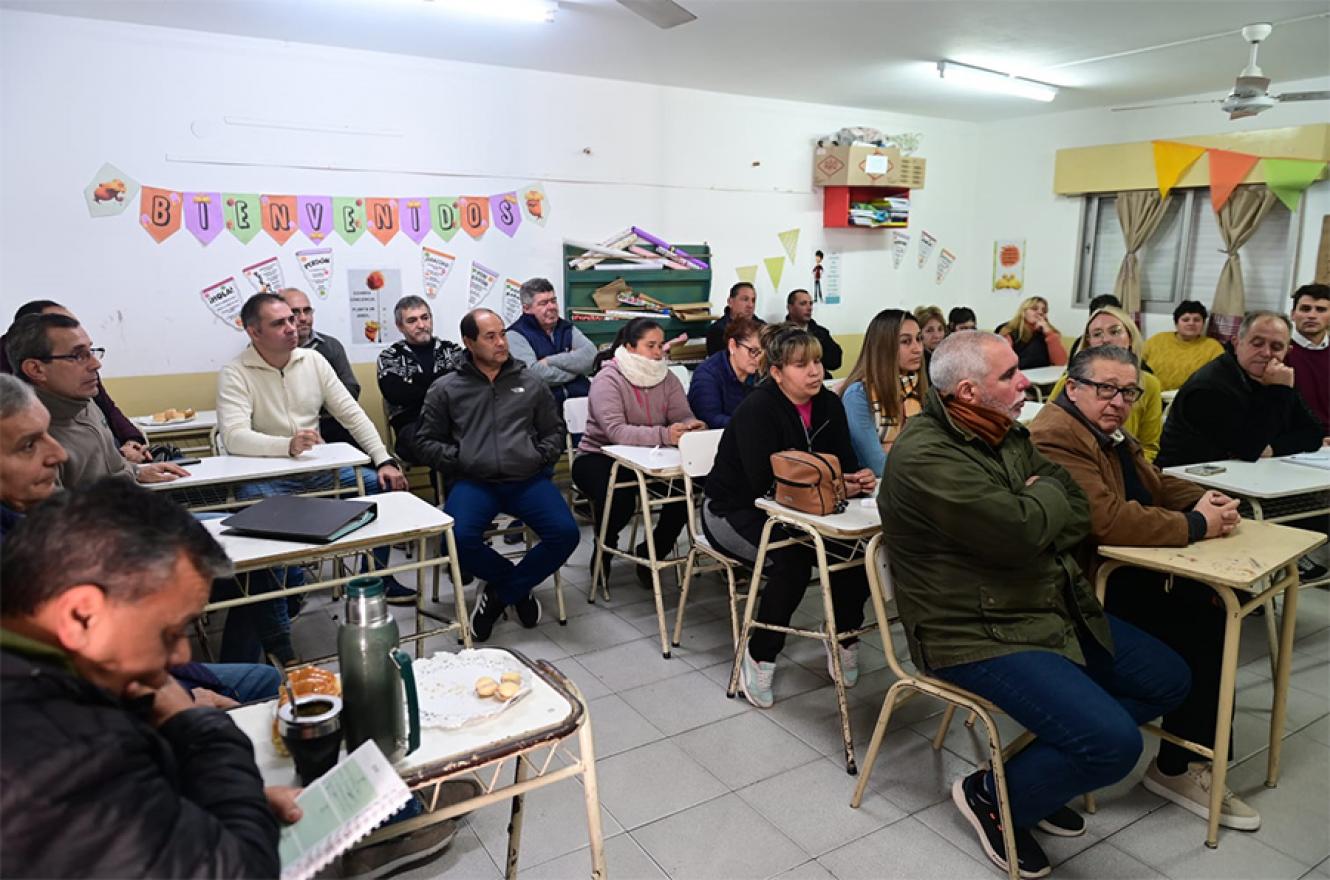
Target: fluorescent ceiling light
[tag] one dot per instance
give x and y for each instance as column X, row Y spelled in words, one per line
column 994, row 81
column 513, row 10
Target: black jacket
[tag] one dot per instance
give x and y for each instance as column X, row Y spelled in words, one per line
column 765, row 423
column 1222, row 413
column 403, row 381
column 501, row 431
column 89, row 789
column 831, row 353
column 716, row 332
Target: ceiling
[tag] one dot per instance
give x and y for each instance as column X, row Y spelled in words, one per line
column 856, row 53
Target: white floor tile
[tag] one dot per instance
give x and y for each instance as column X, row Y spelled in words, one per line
column 745, row 749
column 907, row 849
column 1171, row 841
column 683, row 702
column 655, row 780
column 724, row 839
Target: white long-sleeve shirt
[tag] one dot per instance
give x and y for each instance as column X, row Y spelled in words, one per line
column 260, row 408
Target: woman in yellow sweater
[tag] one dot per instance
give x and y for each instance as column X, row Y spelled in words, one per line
column 1175, row 354
column 1110, row 326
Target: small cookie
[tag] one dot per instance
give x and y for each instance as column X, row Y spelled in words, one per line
column 486, row 686
column 514, row 677
column 508, row 690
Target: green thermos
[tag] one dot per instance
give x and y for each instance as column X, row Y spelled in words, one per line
column 375, row 672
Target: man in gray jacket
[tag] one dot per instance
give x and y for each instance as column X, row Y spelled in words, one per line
column 494, row 431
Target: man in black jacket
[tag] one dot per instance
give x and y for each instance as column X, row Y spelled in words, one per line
column 799, row 312
column 741, row 304
column 494, row 429
column 107, row 767
column 408, row 368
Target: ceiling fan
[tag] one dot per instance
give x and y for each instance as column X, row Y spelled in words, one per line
column 1250, row 94
column 664, row 14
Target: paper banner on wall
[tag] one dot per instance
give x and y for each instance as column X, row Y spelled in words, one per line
column 512, row 300
column 474, row 212
column 279, row 217
column 223, row 299
column 315, row 216
column 789, row 239
column 535, row 204
column 110, row 192
column 381, row 218
column 435, row 267
column 1172, row 161
column 371, row 294
column 747, row 274
column 244, row 215
column 482, row 282
column 349, row 218
column 775, row 269
column 831, row 278
column 316, row 264
column 445, row 218
column 413, row 215
column 159, row 212
column 899, row 242
column 1008, row 264
column 926, row 243
column 945, row 260
column 266, row 276
column 1227, row 169
column 203, row 216
column 507, row 215
column 1287, row 178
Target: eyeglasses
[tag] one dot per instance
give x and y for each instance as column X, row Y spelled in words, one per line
column 753, row 350
column 79, row 357
column 1117, row 331
column 1107, row 391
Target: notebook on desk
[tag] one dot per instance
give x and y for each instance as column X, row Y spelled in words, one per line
column 1318, row 459
column 302, row 518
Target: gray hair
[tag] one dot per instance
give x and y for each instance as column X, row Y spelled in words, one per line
column 1243, row 329
column 1083, row 364
column 15, row 396
column 410, row 301
column 961, row 356
column 533, row 287
column 27, row 338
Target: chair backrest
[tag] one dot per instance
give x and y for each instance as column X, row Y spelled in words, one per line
column 575, row 411
column 684, row 376
column 697, row 449
column 881, row 590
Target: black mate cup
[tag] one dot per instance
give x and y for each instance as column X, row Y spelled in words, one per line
column 311, row 729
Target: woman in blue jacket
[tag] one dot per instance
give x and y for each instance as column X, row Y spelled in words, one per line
column 723, row 380
column 886, row 386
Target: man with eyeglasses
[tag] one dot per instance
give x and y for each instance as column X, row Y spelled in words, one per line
column 1133, row 503
column 333, row 351
column 53, row 353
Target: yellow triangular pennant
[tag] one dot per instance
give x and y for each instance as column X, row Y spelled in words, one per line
column 747, row 274
column 775, row 268
column 1172, row 161
column 789, row 240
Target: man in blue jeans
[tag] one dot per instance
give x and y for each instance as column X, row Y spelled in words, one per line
column 494, row 431
column 981, row 531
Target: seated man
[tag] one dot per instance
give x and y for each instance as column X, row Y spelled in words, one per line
column 799, row 312
column 408, row 367
column 981, row 530
column 1133, row 503
column 107, row 767
column 553, row 350
column 494, row 431
column 268, row 403
column 332, row 351
column 1309, row 355
column 742, row 303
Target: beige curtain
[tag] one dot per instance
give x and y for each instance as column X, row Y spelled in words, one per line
column 1139, row 212
column 1238, row 220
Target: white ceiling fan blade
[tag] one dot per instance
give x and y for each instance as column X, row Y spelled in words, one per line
column 1303, row 96
column 1167, row 104
column 1243, row 114
column 664, row 14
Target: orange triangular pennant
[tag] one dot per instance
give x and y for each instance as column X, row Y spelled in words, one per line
column 1227, row 170
column 1172, row 161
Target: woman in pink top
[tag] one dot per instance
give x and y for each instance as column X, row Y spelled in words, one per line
column 634, row 401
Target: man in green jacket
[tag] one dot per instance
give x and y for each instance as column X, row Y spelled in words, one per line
column 982, row 531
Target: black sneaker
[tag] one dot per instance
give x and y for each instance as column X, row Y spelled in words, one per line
column 1063, row 822
column 1310, row 570
column 528, row 611
column 398, row 594
column 515, row 537
column 968, row 795
column 486, row 613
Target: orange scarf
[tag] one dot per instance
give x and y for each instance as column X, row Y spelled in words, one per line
column 990, row 425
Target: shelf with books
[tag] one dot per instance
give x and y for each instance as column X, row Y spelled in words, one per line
column 865, row 207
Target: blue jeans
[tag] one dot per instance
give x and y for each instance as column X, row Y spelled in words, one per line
column 1085, row 719
column 537, row 502
column 247, row 682
column 257, row 629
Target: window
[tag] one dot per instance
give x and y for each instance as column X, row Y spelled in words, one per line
column 1182, row 260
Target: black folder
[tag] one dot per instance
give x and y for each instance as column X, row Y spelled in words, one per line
column 302, row 518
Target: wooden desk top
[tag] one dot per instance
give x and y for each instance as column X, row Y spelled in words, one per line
column 1254, row 550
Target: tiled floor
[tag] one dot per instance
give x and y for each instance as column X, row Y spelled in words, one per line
column 694, row 785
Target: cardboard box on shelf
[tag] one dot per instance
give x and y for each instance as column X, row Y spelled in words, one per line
column 866, row 165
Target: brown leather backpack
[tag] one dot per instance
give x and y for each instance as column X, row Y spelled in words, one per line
column 810, row 482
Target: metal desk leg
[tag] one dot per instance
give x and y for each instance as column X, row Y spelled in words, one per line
column 599, row 549
column 591, row 792
column 1228, row 671
column 833, row 649
column 459, row 598
column 749, row 606
column 648, row 535
column 1282, row 670
column 515, row 822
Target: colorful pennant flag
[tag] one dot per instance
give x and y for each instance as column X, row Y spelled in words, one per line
column 381, row 218
column 244, row 215
column 535, row 204
column 1172, row 161
column 747, row 274
column 775, row 268
column 475, row 214
column 789, row 239
column 435, row 267
column 445, row 218
column 413, row 214
column 111, row 191
column 507, row 216
column 315, row 217
column 1227, row 169
column 279, row 217
column 349, row 218
column 1287, row 178
column 159, row 212
column 316, row 264
column 203, row 215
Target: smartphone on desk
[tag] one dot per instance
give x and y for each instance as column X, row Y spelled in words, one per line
column 186, row 462
column 1206, row 470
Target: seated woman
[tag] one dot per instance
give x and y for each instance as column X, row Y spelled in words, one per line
column 886, row 386
column 932, row 329
column 1175, row 354
column 961, row 318
column 1110, row 326
column 1036, row 341
column 1132, row 503
column 634, row 401
column 792, row 410
column 722, row 381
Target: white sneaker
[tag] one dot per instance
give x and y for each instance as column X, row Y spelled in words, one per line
column 1191, row 791
column 849, row 663
column 757, row 679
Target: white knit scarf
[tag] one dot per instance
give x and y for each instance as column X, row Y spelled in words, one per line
column 641, row 371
